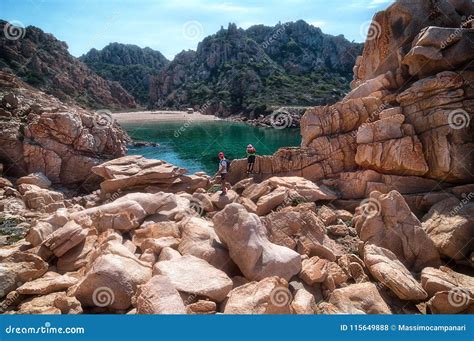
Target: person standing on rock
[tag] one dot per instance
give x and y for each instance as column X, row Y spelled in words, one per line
column 222, row 171
column 251, row 156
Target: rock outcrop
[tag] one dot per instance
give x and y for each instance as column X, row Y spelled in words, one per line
column 385, row 220
column 408, row 116
column 129, row 65
column 136, row 172
column 63, row 142
column 244, row 235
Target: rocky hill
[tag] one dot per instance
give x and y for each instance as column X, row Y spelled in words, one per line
column 39, row 133
column 236, row 70
column 44, row 62
column 129, row 65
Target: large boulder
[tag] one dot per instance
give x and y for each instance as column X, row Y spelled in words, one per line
column 438, row 49
column 159, row 296
column 393, row 31
column 200, row 240
column 300, row 228
column 112, row 278
column 362, row 298
column 244, row 235
column 451, row 292
column 303, row 303
column 193, row 275
column 450, row 224
column 135, row 172
column 17, row 268
column 268, row 296
column 37, row 179
column 127, row 212
column 41, row 199
column 65, row 238
column 385, row 220
column 389, row 271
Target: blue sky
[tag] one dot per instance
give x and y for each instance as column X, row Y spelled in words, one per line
column 173, row 26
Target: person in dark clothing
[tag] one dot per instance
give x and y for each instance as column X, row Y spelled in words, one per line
column 251, row 156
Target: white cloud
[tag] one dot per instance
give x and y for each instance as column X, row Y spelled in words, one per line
column 318, row 23
column 377, row 3
column 229, row 7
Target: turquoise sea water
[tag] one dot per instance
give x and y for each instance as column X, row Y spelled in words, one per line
column 195, row 145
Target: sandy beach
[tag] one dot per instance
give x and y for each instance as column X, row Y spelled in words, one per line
column 161, row 116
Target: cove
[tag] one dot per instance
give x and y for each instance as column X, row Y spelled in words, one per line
column 194, row 145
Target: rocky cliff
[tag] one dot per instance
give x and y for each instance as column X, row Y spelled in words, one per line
column 249, row 71
column 129, row 65
column 406, row 124
column 39, row 133
column 44, row 62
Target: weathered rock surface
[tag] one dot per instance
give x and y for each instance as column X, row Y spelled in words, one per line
column 134, row 172
column 450, row 224
column 299, row 228
column 202, row 307
column 303, row 303
column 64, row 239
column 389, row 271
column 314, row 270
column 193, row 275
column 127, row 212
column 50, row 282
column 244, row 235
column 268, row 296
column 159, row 296
column 37, row 179
column 362, row 298
column 41, row 199
column 112, row 278
column 17, row 268
column 200, row 240
column 385, row 220
column 61, row 141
